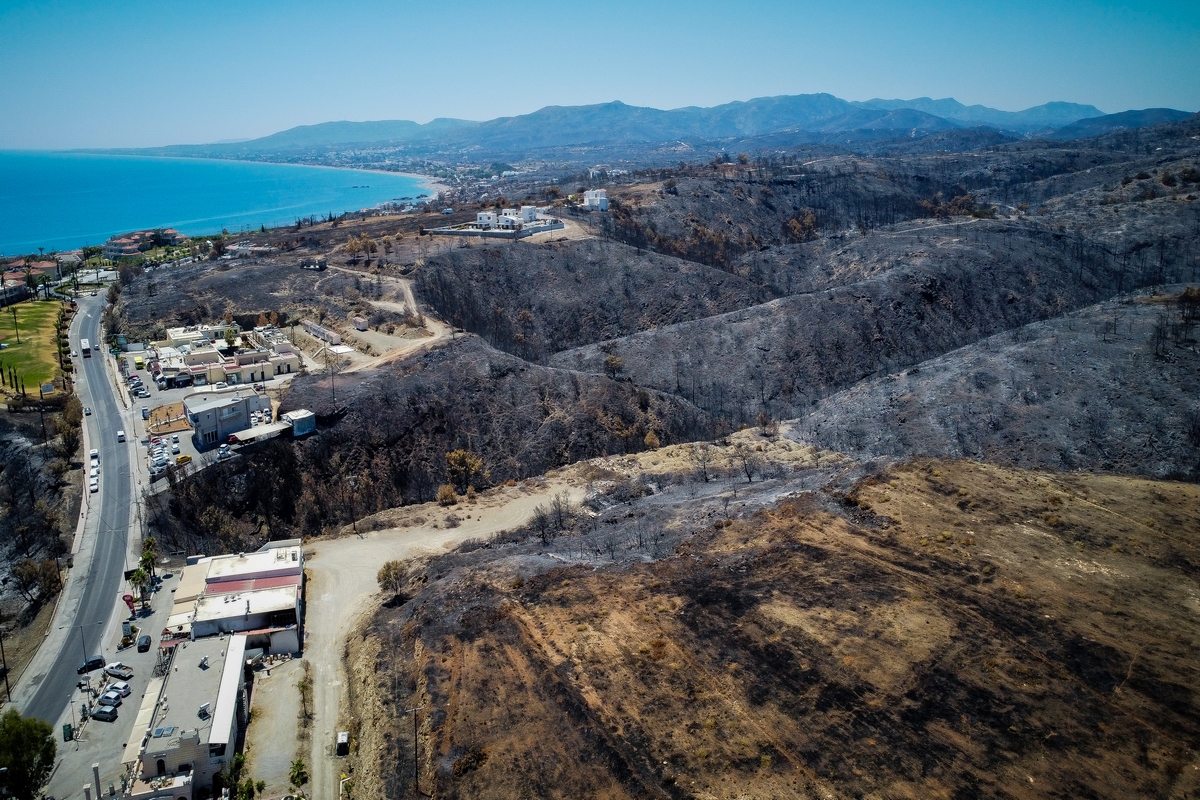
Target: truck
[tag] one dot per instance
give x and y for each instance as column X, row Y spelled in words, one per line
column 85, row 347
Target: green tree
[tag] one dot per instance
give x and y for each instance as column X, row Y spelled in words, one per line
column 299, row 773
column 140, row 580
column 149, row 553
column 27, row 752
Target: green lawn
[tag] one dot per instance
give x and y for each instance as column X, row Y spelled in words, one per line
column 35, row 358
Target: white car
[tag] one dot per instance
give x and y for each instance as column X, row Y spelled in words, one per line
column 174, row 449
column 120, row 436
column 94, row 455
column 120, row 687
column 94, row 485
column 94, row 472
column 175, row 437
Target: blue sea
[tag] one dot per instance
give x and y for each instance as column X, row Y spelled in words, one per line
column 59, row 201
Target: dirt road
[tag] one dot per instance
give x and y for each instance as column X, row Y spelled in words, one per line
column 405, row 348
column 342, row 588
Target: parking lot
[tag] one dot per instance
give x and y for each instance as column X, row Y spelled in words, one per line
column 161, row 415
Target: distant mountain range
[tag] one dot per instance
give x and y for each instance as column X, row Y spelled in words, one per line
column 1097, row 126
column 816, row 117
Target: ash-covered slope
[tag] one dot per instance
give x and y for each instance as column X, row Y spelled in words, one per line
column 1114, row 387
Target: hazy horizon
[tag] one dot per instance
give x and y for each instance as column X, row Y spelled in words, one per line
column 135, row 74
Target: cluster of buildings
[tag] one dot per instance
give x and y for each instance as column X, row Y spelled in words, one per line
column 199, row 355
column 228, row 611
column 132, row 245
column 509, row 223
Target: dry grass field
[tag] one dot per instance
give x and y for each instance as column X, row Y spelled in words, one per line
column 944, row 629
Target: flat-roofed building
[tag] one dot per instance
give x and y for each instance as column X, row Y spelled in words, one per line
column 193, row 720
column 214, row 418
column 257, row 593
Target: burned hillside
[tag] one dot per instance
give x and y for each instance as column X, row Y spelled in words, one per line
column 534, row 300
column 941, row 629
column 383, row 443
column 1113, row 387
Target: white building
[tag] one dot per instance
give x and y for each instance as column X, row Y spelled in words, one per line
column 189, row 721
column 595, row 200
column 258, row 594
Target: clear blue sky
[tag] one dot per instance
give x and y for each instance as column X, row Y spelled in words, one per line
column 115, row 74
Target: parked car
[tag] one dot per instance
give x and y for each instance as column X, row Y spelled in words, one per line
column 220, row 385
column 143, row 643
column 94, row 454
column 183, row 459
column 110, row 699
column 120, row 687
column 174, row 448
column 94, row 472
column 94, row 485
column 104, row 713
column 87, row 412
column 175, row 437
column 93, row 663
column 119, row 670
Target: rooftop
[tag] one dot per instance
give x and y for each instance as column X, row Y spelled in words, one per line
column 196, row 678
column 237, row 604
column 260, row 564
column 199, row 406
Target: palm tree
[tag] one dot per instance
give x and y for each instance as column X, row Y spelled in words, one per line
column 299, row 773
column 149, row 548
column 140, row 580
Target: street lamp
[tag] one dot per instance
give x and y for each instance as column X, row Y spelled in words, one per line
column 83, row 644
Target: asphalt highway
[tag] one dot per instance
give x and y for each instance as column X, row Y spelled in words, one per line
column 106, row 559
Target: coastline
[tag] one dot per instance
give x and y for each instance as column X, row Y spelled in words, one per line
column 222, row 193
column 428, row 182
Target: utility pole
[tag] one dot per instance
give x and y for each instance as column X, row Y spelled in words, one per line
column 416, row 761
column 4, row 659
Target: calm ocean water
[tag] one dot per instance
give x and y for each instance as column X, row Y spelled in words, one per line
column 64, row 200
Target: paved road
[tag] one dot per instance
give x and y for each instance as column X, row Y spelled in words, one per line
column 56, row 687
